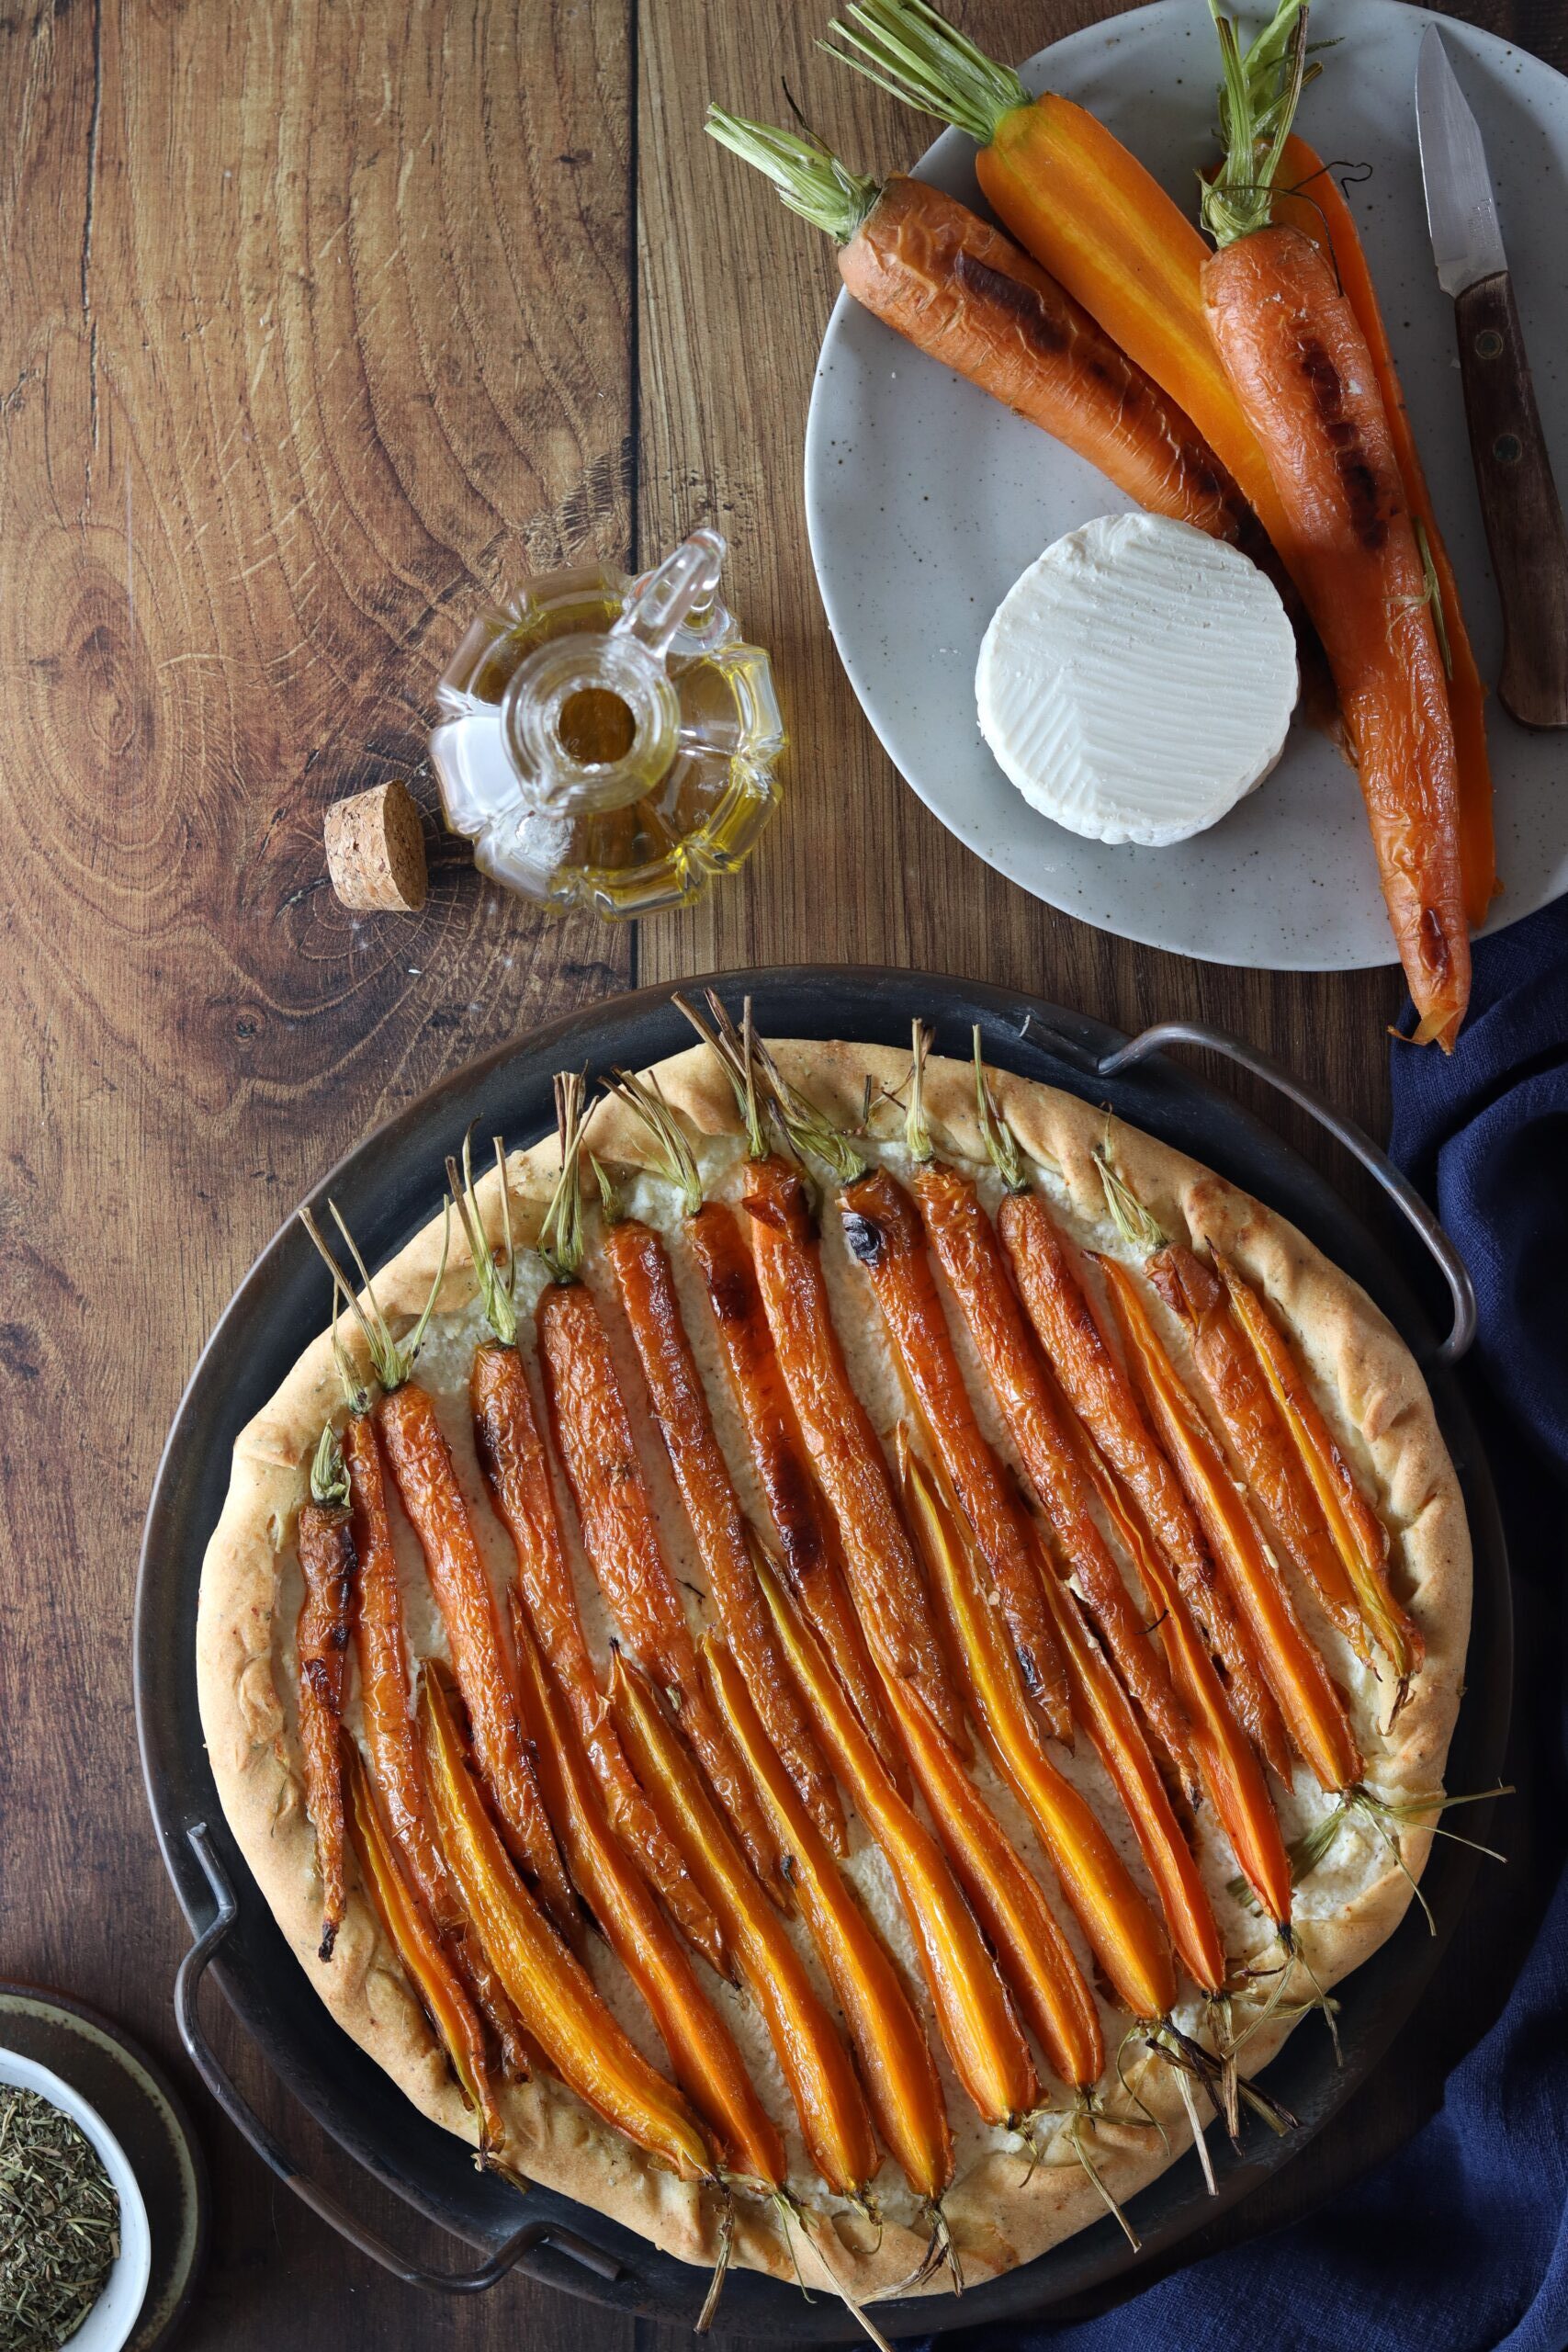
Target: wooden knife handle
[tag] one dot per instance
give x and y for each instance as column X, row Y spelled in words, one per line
column 1518, row 502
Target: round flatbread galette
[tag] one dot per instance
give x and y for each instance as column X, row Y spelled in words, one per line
column 841, row 1703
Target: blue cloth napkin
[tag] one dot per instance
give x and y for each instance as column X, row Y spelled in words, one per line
column 1459, row 2241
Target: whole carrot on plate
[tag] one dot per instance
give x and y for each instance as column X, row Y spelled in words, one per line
column 960, row 292
column 321, row 1643
column 1298, row 360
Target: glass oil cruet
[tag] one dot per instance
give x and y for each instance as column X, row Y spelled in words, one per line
column 609, row 743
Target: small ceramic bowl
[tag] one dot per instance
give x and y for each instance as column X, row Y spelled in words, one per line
column 108, row 2324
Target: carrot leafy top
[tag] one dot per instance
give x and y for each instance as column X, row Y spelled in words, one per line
column 1260, row 88
column 808, row 175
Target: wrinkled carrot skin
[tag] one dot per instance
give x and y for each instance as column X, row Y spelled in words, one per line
column 807, row 1548
column 646, row 1282
column 1308, row 1700
column 593, row 1437
column 321, row 1643
column 1126, row 1938
column 895, row 2063
column 701, row 2051
column 975, row 2011
column 1271, row 1468
column 1358, row 1535
column 393, row 1760
column 1298, row 362
column 1226, row 1760
column 834, row 2118
column 970, row 1256
column 516, row 1471
column 845, row 1450
column 426, row 1480
column 424, row 1958
column 953, row 286
column 885, row 1235
column 553, row 1991
column 1311, row 199
column 1105, row 1711
column 1099, row 1394
column 1033, row 1955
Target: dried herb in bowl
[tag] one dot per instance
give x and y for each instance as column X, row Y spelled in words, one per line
column 59, row 2224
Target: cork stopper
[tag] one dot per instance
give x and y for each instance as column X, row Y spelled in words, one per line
column 376, row 850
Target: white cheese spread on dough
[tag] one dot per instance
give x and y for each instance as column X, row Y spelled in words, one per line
column 1138, row 680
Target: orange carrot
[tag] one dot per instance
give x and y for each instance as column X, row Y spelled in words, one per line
column 321, row 1643
column 1298, row 362
column 834, row 2118
column 807, row 1549
column 1308, row 1700
column 646, row 1282
column 957, row 288
column 1310, row 198
column 896, row 2061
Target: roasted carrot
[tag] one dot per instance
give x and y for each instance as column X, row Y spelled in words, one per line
column 834, row 2118
column 703, row 2054
column 393, row 1761
column 1035, row 1957
column 970, row 1256
column 321, row 1645
column 553, row 1991
column 516, row 1471
column 1309, row 198
column 1098, row 1390
column 424, row 1956
column 975, row 2011
column 1086, row 209
column 1273, row 1472
column 1123, row 1934
column 1358, row 1535
column 958, row 289
column 808, row 1547
column 646, row 1285
column 844, row 1447
column 895, row 2058
column 1307, row 1697
column 428, row 1486
column 593, row 1431
column 1298, row 362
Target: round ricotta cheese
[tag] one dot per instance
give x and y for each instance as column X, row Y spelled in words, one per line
column 1138, row 680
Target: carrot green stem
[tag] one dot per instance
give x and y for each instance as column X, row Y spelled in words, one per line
column 908, row 49
column 1260, row 88
column 808, row 175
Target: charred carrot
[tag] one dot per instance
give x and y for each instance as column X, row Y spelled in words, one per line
column 703, row 2054
column 975, row 2011
column 594, row 1436
column 516, row 1472
column 1358, row 1535
column 553, row 1991
column 834, row 2118
column 1238, row 1389
column 646, row 1283
column 1098, row 1390
column 958, row 289
column 1310, row 198
column 321, row 1643
column 1298, row 362
column 1126, row 1938
column 1311, row 1707
column 424, row 1957
column 807, row 1549
column 896, row 2063
column 1086, row 209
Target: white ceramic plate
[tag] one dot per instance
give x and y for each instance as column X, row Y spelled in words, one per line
column 925, row 500
column 108, row 2324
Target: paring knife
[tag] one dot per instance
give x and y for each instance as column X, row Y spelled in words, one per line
column 1513, row 472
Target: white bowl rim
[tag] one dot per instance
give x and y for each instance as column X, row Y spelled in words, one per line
column 113, row 2317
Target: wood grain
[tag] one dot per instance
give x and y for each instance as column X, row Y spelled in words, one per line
column 316, row 322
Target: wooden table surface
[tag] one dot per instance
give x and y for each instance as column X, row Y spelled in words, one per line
column 317, row 319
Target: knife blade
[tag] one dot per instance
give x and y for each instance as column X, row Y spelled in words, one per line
column 1519, row 504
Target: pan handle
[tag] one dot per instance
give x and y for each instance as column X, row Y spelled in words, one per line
column 187, row 1983
column 1377, row 1163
